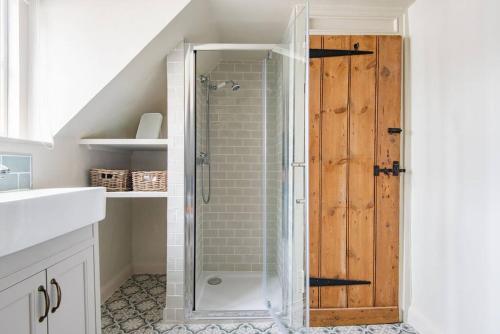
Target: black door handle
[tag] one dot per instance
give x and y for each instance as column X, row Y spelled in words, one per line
column 395, row 170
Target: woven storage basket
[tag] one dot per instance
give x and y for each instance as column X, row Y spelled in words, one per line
column 149, row 181
column 112, row 179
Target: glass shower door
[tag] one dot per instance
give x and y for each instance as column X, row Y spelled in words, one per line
column 285, row 188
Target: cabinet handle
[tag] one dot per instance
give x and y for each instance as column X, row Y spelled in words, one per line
column 47, row 303
column 59, row 294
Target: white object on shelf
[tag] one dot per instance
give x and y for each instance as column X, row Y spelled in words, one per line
column 126, row 144
column 137, row 194
column 149, row 126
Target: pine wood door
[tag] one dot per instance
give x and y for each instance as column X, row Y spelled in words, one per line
column 353, row 214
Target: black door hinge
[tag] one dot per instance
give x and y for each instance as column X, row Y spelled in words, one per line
column 313, row 281
column 323, row 53
column 395, row 170
column 394, row 130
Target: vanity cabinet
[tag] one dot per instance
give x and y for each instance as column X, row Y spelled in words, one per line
column 58, row 294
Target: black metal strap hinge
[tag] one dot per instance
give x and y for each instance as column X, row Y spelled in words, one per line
column 395, row 170
column 313, row 281
column 394, row 130
column 323, row 53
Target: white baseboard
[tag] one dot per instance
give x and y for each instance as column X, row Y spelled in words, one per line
column 421, row 323
column 149, row 268
column 112, row 285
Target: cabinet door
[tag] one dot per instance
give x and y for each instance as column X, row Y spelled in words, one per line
column 71, row 287
column 22, row 305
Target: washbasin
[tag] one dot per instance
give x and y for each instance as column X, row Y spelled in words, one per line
column 31, row 217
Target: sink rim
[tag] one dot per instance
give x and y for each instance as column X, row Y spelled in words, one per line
column 29, row 218
column 22, row 195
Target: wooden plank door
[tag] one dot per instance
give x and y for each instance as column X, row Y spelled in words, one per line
column 353, row 214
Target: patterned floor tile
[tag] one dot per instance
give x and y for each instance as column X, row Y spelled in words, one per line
column 137, row 308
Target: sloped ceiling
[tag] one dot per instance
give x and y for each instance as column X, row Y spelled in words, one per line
column 83, row 44
column 141, row 86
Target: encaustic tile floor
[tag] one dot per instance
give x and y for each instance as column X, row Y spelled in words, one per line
column 137, row 308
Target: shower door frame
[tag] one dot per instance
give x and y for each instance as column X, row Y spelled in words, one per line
column 190, row 313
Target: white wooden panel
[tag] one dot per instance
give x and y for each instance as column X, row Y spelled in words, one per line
column 137, row 194
column 331, row 25
column 126, row 144
column 76, row 311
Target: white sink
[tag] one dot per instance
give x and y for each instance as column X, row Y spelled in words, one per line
column 30, row 217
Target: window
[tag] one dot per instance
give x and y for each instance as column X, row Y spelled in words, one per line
column 16, row 75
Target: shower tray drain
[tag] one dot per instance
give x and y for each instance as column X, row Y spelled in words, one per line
column 214, row 281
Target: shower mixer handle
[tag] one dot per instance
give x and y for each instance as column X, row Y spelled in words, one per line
column 203, row 159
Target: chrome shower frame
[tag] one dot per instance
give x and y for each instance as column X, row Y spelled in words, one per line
column 190, row 314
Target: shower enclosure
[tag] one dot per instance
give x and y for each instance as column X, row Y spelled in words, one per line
column 246, row 180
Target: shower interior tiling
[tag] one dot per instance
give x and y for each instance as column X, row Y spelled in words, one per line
column 230, row 172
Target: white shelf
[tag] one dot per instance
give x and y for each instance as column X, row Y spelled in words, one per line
column 137, row 194
column 126, row 144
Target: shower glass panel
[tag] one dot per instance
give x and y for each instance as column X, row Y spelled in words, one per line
column 275, row 174
column 229, row 210
column 285, row 257
column 249, row 254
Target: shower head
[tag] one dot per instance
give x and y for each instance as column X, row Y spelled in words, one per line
column 234, row 85
column 204, row 78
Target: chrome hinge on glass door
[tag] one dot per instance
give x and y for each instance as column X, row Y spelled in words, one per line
column 300, row 165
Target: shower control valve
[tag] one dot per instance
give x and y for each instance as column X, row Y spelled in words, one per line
column 203, row 159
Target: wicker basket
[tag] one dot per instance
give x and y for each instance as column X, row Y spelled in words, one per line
column 149, row 181
column 112, row 179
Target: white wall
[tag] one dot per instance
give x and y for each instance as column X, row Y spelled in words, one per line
column 455, row 222
column 149, row 217
column 85, row 44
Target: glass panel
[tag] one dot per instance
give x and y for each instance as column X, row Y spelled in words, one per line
column 299, row 239
column 229, row 184
column 275, row 191
column 286, row 178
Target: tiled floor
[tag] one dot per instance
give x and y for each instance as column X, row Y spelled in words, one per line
column 138, row 305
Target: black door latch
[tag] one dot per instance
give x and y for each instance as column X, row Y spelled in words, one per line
column 395, row 170
column 394, row 130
